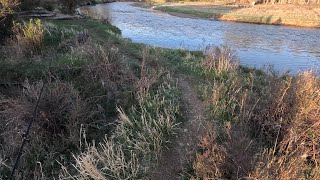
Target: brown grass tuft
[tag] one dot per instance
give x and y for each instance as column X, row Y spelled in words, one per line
column 150, row 72
column 218, row 60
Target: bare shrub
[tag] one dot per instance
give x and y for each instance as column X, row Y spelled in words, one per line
column 279, row 114
column 6, row 18
column 273, row 111
column 209, row 163
column 56, row 128
column 150, row 72
column 288, row 117
column 300, row 142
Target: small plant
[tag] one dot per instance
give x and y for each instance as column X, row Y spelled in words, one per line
column 29, row 37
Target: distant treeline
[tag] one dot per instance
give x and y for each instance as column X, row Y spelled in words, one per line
column 253, row 2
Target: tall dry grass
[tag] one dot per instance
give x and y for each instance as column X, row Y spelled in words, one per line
column 266, row 126
column 294, row 130
column 218, row 60
column 150, row 72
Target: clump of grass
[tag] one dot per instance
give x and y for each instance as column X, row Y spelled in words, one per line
column 218, row 60
column 137, row 139
column 106, row 75
column 28, row 38
column 227, row 98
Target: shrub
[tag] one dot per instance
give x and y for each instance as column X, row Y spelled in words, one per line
column 62, row 113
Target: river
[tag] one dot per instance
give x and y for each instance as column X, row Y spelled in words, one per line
column 285, row 48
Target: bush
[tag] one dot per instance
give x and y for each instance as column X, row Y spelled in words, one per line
column 289, row 118
column 62, row 113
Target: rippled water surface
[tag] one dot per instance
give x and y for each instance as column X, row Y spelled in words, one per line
column 286, row 48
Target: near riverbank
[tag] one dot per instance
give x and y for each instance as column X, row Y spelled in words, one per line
column 290, row 15
column 103, row 107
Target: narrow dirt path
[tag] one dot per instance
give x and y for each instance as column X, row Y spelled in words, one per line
column 183, row 146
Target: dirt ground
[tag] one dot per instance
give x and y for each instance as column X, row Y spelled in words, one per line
column 182, row 148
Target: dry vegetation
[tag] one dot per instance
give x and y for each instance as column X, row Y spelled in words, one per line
column 266, row 126
column 87, row 85
column 131, row 151
column 106, row 112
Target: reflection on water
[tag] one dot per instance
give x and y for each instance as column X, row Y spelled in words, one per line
column 286, row 48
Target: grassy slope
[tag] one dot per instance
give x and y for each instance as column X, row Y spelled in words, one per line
column 233, row 94
column 292, row 15
column 74, row 75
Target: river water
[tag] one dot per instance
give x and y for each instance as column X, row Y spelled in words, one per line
column 285, row 48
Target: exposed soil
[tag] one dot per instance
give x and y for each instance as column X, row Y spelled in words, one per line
column 182, row 148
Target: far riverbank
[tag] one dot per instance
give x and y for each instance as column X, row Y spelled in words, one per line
column 289, row 15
